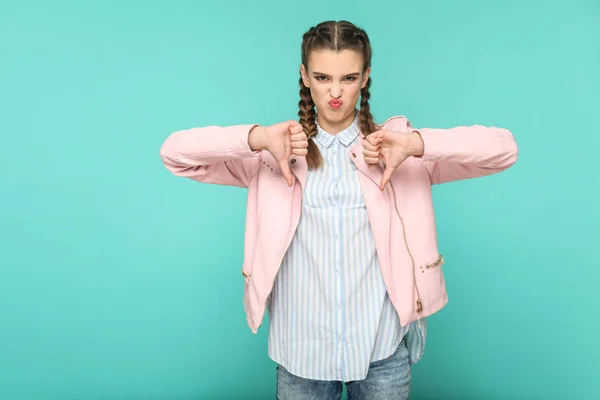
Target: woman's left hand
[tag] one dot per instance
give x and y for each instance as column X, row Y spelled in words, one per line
column 393, row 148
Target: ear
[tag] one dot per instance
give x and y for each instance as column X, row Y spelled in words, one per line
column 304, row 74
column 365, row 77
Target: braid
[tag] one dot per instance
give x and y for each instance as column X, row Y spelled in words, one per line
column 365, row 119
column 307, row 120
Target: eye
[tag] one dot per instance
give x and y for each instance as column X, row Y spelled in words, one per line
column 322, row 78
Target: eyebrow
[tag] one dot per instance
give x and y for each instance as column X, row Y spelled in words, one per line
column 329, row 76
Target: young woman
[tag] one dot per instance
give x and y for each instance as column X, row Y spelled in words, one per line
column 340, row 240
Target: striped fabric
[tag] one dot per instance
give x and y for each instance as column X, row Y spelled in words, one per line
column 330, row 315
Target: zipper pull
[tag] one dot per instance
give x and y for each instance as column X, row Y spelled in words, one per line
column 419, row 306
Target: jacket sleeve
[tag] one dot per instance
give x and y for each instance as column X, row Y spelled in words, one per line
column 212, row 154
column 466, row 152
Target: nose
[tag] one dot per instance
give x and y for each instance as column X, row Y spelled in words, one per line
column 335, row 92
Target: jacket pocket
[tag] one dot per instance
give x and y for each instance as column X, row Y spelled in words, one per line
column 431, row 283
column 438, row 262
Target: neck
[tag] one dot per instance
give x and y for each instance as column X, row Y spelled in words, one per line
column 334, row 127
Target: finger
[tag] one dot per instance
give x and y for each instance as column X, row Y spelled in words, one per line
column 372, row 147
column 372, row 160
column 387, row 175
column 300, row 145
column 296, row 129
column 298, row 136
column 299, row 152
column 373, row 139
column 371, row 154
column 285, row 168
column 378, row 134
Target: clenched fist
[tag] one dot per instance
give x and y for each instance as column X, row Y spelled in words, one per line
column 393, row 148
column 282, row 140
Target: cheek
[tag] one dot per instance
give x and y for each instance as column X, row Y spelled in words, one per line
column 317, row 93
column 355, row 92
column 317, row 90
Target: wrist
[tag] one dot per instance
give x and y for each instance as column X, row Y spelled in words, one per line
column 416, row 145
column 257, row 138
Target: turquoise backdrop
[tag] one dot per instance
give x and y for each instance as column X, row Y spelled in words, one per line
column 120, row 281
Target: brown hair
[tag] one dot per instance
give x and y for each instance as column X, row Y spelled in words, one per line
column 335, row 36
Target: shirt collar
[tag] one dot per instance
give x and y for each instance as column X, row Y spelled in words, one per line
column 346, row 137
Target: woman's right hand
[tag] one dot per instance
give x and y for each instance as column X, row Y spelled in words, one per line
column 282, row 140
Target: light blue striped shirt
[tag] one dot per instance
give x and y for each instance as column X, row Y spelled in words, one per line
column 330, row 315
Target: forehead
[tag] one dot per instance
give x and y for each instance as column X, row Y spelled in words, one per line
column 335, row 63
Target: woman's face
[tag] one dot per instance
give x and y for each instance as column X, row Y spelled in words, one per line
column 333, row 78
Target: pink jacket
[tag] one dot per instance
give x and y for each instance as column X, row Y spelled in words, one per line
column 401, row 216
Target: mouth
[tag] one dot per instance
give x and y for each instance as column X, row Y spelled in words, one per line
column 335, row 103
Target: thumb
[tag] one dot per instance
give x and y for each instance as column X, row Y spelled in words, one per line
column 387, row 175
column 285, row 168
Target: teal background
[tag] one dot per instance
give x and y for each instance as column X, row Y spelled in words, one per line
column 120, row 281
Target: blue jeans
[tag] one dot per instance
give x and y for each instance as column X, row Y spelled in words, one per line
column 387, row 379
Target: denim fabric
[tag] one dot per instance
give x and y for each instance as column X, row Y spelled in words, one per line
column 387, row 379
